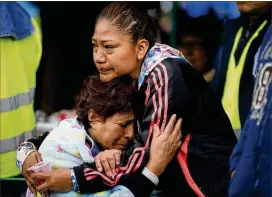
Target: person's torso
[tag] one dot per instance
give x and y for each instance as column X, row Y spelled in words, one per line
column 261, row 117
column 204, row 119
column 20, row 53
column 245, row 79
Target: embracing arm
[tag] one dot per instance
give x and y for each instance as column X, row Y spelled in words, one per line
column 141, row 183
column 28, row 147
column 161, row 102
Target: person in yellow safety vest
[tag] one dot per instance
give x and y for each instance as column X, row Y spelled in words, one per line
column 20, row 54
column 234, row 78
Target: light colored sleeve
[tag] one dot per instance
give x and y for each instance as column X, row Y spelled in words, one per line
column 23, row 151
column 150, row 175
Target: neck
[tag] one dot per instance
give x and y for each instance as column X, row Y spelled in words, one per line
column 255, row 18
column 136, row 73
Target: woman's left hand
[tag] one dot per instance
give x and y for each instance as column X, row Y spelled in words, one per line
column 108, row 161
column 58, row 180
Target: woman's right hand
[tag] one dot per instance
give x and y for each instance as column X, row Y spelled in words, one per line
column 32, row 159
column 164, row 145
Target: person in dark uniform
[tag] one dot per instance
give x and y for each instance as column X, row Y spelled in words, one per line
column 233, row 80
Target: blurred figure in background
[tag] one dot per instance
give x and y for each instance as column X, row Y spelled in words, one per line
column 20, row 52
column 194, row 38
column 241, row 39
column 250, row 163
column 223, row 9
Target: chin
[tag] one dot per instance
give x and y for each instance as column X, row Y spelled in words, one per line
column 107, row 77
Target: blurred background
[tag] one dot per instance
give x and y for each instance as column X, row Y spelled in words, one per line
column 67, row 28
column 195, row 28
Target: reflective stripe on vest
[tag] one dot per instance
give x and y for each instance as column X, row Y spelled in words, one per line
column 230, row 99
column 8, row 104
column 11, row 144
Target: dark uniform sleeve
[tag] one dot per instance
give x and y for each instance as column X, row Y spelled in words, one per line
column 238, row 149
column 137, row 183
column 38, row 141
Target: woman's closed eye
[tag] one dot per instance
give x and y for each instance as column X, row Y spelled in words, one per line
column 109, row 47
column 124, row 125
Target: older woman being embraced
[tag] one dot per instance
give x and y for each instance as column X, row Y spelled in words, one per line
column 104, row 126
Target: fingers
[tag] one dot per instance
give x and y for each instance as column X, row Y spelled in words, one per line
column 117, row 156
column 30, row 180
column 43, row 187
column 40, row 175
column 38, row 158
column 98, row 162
column 179, row 136
column 30, row 186
column 111, row 161
column 177, row 129
column 108, row 161
column 170, row 125
column 156, row 131
column 106, row 166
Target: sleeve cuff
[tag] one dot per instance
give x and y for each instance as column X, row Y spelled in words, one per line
column 23, row 151
column 74, row 180
column 151, row 176
column 80, row 179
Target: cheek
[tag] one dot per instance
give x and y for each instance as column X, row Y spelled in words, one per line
column 200, row 55
column 115, row 135
column 111, row 137
column 123, row 63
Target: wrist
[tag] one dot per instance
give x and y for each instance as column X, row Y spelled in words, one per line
column 23, row 152
column 155, row 168
column 74, row 180
column 150, row 175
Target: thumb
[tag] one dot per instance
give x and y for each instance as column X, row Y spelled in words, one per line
column 156, row 131
column 38, row 158
column 40, row 175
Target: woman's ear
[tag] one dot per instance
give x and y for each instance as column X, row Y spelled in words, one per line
column 92, row 117
column 142, row 48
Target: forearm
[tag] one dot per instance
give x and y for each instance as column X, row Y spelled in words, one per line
column 28, row 147
column 140, row 184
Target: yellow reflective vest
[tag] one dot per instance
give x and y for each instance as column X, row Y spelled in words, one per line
column 19, row 60
column 230, row 99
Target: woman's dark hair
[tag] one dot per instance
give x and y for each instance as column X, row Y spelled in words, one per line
column 105, row 99
column 130, row 18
